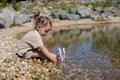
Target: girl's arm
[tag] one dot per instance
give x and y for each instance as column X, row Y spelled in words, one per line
column 50, row 55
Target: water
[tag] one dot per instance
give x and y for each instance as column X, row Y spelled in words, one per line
column 92, row 53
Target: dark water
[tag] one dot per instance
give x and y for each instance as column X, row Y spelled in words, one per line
column 92, row 53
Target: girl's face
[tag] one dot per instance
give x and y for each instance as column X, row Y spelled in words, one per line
column 44, row 30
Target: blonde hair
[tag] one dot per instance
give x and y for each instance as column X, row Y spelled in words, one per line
column 42, row 20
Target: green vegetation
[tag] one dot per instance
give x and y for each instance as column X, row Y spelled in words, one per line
column 73, row 5
column 59, row 6
column 102, row 4
column 15, row 5
column 4, row 3
column 30, row 7
column 65, row 6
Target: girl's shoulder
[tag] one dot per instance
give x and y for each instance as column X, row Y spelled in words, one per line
column 29, row 33
column 33, row 33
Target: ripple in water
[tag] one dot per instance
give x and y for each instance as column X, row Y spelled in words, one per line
column 92, row 54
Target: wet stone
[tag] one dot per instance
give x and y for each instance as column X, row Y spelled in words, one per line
column 90, row 56
column 14, row 68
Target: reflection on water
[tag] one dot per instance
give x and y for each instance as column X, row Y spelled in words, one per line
column 92, row 54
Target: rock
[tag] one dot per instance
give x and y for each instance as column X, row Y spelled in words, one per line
column 15, row 68
column 50, row 7
column 74, row 14
column 72, row 17
column 104, row 16
column 98, row 9
column 45, row 11
column 62, row 16
column 22, row 18
column 9, row 16
column 56, row 13
column 17, row 19
column 83, row 12
column 2, row 57
column 108, row 13
column 73, row 10
column 77, row 1
column 118, row 6
column 112, row 11
column 2, row 21
column 26, row 11
column 8, row 13
column 38, row 2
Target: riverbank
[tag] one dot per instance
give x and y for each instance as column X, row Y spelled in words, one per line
column 64, row 24
column 14, row 33
column 13, row 68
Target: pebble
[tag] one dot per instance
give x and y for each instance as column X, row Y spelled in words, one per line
column 14, row 68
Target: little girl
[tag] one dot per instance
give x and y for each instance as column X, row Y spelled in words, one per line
column 31, row 44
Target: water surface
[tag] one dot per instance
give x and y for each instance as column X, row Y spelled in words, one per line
column 92, row 53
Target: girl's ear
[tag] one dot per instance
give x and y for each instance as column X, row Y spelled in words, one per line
column 37, row 27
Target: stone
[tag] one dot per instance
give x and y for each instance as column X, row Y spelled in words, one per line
column 72, row 17
column 73, row 10
column 84, row 12
column 56, row 13
column 22, row 18
column 2, row 21
column 98, row 9
column 8, row 13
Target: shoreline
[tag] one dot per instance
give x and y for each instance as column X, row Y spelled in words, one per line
column 59, row 24
column 85, row 22
column 16, row 32
column 9, row 39
column 63, row 24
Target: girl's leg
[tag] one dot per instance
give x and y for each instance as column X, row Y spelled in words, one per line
column 38, row 54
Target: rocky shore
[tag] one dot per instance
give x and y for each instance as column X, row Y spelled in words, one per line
column 13, row 67
column 10, row 36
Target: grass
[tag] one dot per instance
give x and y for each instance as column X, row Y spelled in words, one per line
column 30, row 7
column 1, row 6
column 16, row 7
column 65, row 6
column 74, row 5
